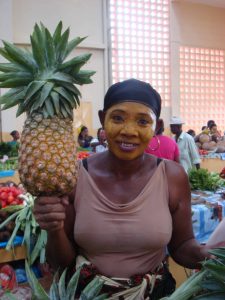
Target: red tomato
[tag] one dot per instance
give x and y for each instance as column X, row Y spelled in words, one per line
column 3, row 204
column 10, row 199
column 3, row 195
column 14, row 203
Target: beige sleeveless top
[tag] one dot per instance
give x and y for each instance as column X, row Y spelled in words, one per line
column 127, row 240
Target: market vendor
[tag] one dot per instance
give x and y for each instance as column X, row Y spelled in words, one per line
column 128, row 206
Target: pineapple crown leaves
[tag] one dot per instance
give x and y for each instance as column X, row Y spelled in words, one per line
column 41, row 80
column 61, row 291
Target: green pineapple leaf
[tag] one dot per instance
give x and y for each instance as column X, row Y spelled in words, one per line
column 36, row 287
column 38, row 73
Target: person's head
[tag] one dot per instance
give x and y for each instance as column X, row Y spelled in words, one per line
column 131, row 108
column 15, row 135
column 210, row 122
column 101, row 134
column 176, row 125
column 191, row 132
column 83, row 131
column 159, row 127
column 213, row 128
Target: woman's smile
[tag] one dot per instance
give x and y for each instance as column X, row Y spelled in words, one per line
column 125, row 146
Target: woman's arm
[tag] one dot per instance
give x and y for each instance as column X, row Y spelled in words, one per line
column 56, row 215
column 183, row 247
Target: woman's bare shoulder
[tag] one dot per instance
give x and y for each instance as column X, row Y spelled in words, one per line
column 174, row 170
column 178, row 185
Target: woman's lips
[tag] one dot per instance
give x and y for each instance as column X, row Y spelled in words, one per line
column 128, row 147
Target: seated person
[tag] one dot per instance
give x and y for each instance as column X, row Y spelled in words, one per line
column 99, row 144
column 15, row 135
column 214, row 133
column 84, row 138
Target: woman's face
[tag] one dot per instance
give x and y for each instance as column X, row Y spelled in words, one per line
column 85, row 132
column 102, row 135
column 213, row 129
column 129, row 126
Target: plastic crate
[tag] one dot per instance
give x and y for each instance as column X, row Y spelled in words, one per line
column 7, row 173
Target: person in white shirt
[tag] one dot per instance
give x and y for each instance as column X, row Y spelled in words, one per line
column 99, row 144
column 189, row 156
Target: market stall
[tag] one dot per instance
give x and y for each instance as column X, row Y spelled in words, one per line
column 214, row 162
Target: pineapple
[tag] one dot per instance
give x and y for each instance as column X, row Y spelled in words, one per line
column 42, row 84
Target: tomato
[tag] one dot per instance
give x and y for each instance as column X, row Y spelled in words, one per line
column 10, row 199
column 3, row 195
column 14, row 203
column 3, row 204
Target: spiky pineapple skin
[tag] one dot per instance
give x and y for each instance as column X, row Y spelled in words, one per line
column 47, row 155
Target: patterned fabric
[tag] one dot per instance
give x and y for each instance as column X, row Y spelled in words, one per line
column 150, row 286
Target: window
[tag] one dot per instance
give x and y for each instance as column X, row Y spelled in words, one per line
column 140, row 43
column 202, row 86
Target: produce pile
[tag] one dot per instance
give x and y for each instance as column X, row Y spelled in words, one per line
column 9, row 164
column 9, row 150
column 82, row 154
column 10, row 196
column 24, row 223
column 204, row 180
column 206, row 143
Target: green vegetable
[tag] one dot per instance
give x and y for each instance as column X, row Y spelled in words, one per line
column 204, row 180
column 25, row 221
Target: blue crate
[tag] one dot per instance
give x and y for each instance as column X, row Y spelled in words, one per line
column 7, row 173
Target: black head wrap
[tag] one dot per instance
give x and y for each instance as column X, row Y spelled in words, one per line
column 133, row 90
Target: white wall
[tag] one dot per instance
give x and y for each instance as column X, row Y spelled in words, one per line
column 84, row 17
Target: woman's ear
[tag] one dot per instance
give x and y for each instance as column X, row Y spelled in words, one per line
column 101, row 115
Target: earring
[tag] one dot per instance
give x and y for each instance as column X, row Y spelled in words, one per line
column 158, row 143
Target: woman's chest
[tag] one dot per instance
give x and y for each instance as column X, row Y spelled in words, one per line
column 106, row 229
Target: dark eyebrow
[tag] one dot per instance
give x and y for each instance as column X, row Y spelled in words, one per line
column 118, row 111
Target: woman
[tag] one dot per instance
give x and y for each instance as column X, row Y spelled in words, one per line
column 99, row 144
column 214, row 133
column 163, row 146
column 84, row 138
column 127, row 207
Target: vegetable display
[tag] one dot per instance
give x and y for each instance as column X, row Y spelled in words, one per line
column 9, row 164
column 10, row 196
column 42, row 84
column 34, row 238
column 204, row 180
column 7, row 149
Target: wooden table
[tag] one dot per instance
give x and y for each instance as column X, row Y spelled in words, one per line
column 212, row 164
column 17, row 253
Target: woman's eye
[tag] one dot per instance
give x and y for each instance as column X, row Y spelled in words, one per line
column 117, row 118
column 143, row 122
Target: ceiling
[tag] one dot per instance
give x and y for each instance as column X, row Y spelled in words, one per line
column 216, row 3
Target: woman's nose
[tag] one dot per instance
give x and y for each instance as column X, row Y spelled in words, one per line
column 129, row 129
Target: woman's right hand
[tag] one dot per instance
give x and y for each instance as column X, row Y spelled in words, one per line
column 50, row 213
